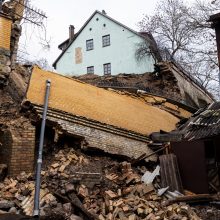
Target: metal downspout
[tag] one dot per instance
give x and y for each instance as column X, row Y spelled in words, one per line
column 36, row 211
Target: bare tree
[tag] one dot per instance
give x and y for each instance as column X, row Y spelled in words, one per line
column 43, row 64
column 33, row 23
column 148, row 48
column 170, row 25
column 185, row 35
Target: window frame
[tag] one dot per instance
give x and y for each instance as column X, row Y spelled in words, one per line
column 89, row 68
column 107, row 69
column 89, row 44
column 106, row 40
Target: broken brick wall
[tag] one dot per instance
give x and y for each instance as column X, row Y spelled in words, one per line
column 5, row 146
column 17, row 135
column 18, row 146
column 10, row 32
column 108, row 140
column 14, row 11
column 5, row 34
column 5, row 39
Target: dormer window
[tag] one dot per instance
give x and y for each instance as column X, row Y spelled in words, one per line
column 89, row 45
column 106, row 40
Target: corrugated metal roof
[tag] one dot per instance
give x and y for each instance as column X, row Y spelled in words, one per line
column 204, row 123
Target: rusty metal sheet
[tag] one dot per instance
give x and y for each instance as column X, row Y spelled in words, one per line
column 192, row 165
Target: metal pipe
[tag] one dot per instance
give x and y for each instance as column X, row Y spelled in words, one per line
column 1, row 1
column 40, row 151
column 215, row 19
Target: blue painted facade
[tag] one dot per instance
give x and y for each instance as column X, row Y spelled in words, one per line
column 120, row 54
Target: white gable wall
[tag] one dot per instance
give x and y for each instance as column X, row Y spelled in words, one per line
column 120, row 53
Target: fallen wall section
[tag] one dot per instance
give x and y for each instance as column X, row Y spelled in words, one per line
column 108, row 107
column 98, row 136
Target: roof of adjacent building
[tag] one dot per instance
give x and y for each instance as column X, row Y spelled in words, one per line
column 108, row 107
column 141, row 34
column 204, row 123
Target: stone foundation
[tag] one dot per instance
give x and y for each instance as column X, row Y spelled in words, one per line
column 5, row 67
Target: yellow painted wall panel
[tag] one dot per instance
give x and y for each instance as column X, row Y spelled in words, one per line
column 108, row 107
column 5, row 32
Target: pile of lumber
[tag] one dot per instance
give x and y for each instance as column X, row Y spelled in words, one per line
column 90, row 187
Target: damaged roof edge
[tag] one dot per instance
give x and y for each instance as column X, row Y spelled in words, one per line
column 90, row 122
column 95, row 135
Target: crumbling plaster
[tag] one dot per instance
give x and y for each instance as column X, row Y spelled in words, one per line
column 188, row 88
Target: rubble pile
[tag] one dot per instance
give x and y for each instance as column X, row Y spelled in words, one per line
column 92, row 187
column 160, row 84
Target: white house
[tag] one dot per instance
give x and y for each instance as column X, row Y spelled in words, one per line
column 103, row 46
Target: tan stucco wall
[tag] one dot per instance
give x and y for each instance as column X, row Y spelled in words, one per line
column 5, row 32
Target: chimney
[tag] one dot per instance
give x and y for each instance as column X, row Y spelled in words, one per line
column 103, row 12
column 71, row 32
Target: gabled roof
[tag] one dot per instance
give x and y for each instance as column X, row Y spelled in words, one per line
column 81, row 29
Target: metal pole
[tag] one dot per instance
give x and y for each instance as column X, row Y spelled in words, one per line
column 39, row 160
column 1, row 1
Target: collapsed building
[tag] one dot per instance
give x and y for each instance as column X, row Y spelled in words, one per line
column 101, row 120
column 112, row 122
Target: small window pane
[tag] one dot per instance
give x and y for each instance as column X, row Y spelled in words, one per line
column 106, row 40
column 90, row 70
column 89, row 44
column 107, row 69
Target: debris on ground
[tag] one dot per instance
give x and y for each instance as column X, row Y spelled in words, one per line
column 93, row 187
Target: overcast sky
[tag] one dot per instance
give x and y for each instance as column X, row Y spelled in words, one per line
column 65, row 12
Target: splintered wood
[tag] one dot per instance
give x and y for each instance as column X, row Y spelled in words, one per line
column 114, row 191
column 132, row 199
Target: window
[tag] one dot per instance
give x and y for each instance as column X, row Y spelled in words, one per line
column 107, row 68
column 90, row 70
column 89, row 44
column 106, row 40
